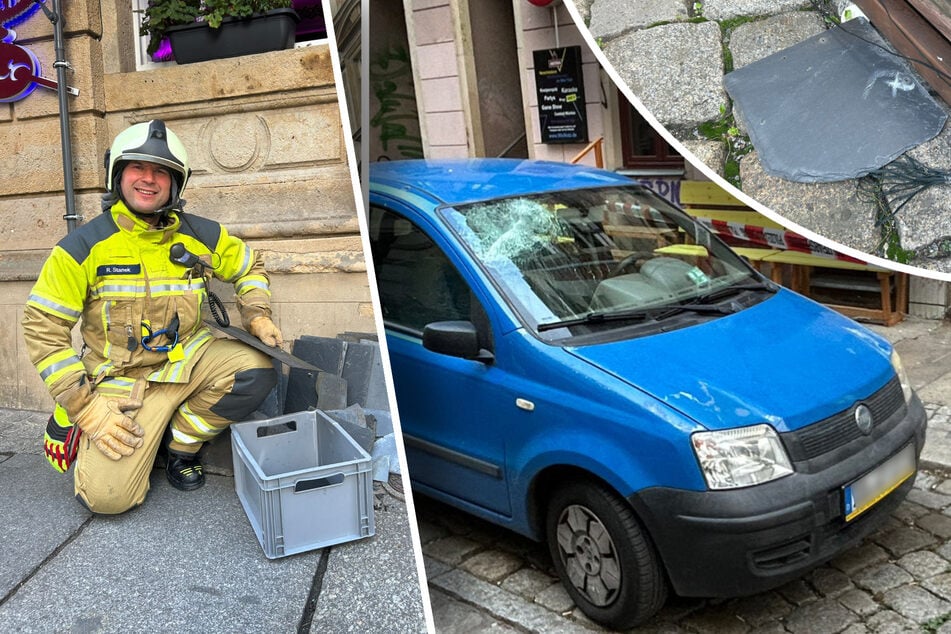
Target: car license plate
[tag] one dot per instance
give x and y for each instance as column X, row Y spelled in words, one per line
column 862, row 494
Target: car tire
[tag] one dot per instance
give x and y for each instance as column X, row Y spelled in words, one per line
column 604, row 558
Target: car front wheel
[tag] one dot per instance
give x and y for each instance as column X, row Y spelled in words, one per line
column 604, row 558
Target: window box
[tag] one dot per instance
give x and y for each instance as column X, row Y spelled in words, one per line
column 271, row 31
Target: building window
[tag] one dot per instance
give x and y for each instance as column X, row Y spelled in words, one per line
column 311, row 29
column 642, row 146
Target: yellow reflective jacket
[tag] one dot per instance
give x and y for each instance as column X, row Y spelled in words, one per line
column 115, row 273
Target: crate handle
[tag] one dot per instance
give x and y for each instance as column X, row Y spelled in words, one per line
column 318, row 483
column 277, row 428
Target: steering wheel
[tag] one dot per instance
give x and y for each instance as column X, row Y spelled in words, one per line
column 623, row 264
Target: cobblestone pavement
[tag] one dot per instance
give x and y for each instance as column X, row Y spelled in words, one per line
column 899, row 580
column 673, row 54
column 482, row 577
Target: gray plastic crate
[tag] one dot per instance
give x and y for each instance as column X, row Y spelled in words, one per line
column 303, row 482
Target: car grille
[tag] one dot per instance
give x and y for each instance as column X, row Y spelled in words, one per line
column 840, row 429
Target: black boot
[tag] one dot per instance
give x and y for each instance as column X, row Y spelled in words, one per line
column 184, row 471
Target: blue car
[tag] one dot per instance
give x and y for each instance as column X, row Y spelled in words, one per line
column 579, row 361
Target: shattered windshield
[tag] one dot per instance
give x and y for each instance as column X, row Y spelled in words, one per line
column 582, row 257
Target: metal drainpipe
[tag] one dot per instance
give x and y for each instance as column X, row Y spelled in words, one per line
column 61, row 65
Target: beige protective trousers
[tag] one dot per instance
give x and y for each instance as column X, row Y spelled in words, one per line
column 227, row 384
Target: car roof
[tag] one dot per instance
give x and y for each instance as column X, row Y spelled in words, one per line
column 455, row 181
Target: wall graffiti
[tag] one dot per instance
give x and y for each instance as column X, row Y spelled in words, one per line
column 396, row 119
column 667, row 188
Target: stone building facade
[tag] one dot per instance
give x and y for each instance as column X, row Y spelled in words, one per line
column 267, row 148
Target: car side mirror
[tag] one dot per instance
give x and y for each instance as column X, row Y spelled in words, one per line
column 456, row 339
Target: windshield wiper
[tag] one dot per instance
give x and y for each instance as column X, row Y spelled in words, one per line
column 733, row 289
column 597, row 317
column 654, row 313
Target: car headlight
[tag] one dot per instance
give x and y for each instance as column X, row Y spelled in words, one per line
column 902, row 376
column 741, row 457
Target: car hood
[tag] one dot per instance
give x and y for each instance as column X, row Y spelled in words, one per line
column 786, row 360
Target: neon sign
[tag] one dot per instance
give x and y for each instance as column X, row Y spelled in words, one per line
column 19, row 68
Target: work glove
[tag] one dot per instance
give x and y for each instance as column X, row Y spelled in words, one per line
column 264, row 329
column 60, row 440
column 108, row 421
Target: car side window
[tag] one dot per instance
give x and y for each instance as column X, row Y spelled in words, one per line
column 418, row 284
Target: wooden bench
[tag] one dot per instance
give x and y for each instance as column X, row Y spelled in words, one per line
column 809, row 274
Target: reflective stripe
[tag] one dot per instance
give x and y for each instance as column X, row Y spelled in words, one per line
column 172, row 372
column 58, row 365
column 103, row 368
column 116, row 386
column 118, row 289
column 197, row 422
column 250, row 284
column 185, row 439
column 246, row 265
column 161, row 289
column 49, row 306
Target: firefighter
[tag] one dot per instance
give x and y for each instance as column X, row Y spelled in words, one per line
column 151, row 374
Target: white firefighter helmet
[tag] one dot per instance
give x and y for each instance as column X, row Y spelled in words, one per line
column 152, row 142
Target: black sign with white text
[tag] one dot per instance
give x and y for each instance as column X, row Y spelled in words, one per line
column 560, row 86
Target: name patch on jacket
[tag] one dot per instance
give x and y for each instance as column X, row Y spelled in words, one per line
column 119, row 269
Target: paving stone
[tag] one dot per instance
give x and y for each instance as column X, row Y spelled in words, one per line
column 830, row 582
column 923, row 564
column 504, row 605
column 945, row 550
column 451, row 550
column 760, row 609
column 889, row 622
column 797, row 592
column 944, row 488
column 528, row 582
column 726, row 9
column 718, row 620
column 755, row 40
column 864, row 556
column 928, row 481
column 647, row 60
column 945, row 628
column 610, row 18
column 434, row 567
column 455, row 617
column 385, row 597
column 430, row 532
column 929, row 499
column 920, row 225
column 916, row 603
column 555, row 598
column 859, row 602
column 584, row 9
column 181, row 562
column 904, row 540
column 492, row 565
column 881, row 578
column 908, row 512
column 940, row 585
column 825, row 615
column 773, row 627
column 710, row 153
column 855, row 628
column 38, row 499
column 832, row 210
